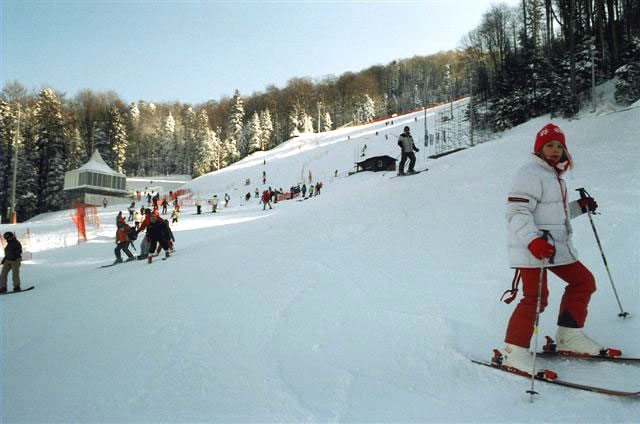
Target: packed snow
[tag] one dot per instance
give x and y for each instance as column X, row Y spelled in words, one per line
column 362, row 304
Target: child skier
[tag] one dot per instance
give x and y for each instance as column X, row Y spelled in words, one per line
column 174, row 216
column 122, row 241
column 537, row 205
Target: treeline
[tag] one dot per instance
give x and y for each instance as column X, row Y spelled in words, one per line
column 535, row 58
column 143, row 138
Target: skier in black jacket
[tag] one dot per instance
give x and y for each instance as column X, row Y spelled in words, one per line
column 11, row 262
column 158, row 233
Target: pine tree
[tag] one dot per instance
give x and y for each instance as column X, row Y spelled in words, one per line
column 294, row 121
column 77, row 151
column 7, row 137
column 202, row 151
column 235, row 128
column 116, row 138
column 27, row 191
column 266, row 124
column 255, row 134
column 326, row 122
column 365, row 109
column 52, row 150
column 169, row 149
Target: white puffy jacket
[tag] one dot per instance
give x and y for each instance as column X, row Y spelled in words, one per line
column 538, row 201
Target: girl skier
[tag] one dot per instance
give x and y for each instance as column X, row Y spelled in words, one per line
column 537, row 205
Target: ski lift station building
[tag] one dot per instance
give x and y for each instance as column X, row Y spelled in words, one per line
column 94, row 182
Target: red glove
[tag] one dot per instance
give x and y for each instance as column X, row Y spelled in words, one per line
column 541, row 249
column 588, row 203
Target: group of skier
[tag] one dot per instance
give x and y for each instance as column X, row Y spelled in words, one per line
column 158, row 234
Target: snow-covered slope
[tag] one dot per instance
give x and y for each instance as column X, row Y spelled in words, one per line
column 362, row 304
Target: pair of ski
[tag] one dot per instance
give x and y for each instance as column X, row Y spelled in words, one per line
column 549, row 352
column 117, row 263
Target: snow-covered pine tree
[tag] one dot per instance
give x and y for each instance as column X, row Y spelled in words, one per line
column 417, row 100
column 188, row 135
column 173, row 156
column 77, row 151
column 365, row 109
column 116, row 136
column 628, row 75
column 266, row 124
column 235, row 127
column 27, row 191
column 327, row 124
column 307, row 124
column 7, row 137
column 52, row 150
column 255, row 134
column 294, row 120
column 203, row 144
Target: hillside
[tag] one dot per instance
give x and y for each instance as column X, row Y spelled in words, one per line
column 362, row 304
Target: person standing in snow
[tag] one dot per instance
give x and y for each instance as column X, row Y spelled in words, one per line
column 122, row 241
column 266, row 200
column 137, row 219
column 11, row 262
column 537, row 205
column 226, row 199
column 405, row 142
column 214, row 203
column 311, row 187
column 104, row 202
column 304, row 190
column 257, row 193
column 174, row 216
column 132, row 209
column 199, row 206
column 165, row 205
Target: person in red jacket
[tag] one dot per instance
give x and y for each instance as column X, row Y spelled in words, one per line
column 266, row 200
column 122, row 241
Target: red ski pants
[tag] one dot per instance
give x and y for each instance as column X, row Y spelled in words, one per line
column 573, row 308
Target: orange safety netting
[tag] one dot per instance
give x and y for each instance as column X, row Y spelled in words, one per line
column 84, row 214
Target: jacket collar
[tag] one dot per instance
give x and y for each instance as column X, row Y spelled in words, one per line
column 558, row 169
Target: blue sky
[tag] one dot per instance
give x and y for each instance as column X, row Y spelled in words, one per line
column 195, row 51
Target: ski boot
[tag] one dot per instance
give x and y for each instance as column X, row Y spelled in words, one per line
column 520, row 360
column 575, row 341
column 150, row 259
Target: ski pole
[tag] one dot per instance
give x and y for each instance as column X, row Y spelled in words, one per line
column 583, row 195
column 531, row 391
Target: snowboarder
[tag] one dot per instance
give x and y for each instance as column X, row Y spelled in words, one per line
column 122, row 242
column 214, row 203
column 11, row 262
column 537, row 205
column 405, row 142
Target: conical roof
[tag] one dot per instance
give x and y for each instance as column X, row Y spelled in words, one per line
column 97, row 164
